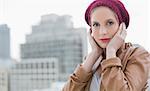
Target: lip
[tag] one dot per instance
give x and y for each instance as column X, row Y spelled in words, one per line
column 105, row 40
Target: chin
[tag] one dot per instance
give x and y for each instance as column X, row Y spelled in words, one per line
column 103, row 45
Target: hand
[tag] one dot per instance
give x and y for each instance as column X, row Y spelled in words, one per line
column 95, row 47
column 117, row 41
column 94, row 57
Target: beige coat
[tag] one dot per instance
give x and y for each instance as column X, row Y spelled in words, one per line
column 126, row 72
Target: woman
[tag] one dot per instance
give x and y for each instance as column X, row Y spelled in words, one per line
column 112, row 65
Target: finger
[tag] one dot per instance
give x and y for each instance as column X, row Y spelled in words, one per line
column 124, row 34
column 124, row 26
column 89, row 35
column 120, row 28
column 91, row 39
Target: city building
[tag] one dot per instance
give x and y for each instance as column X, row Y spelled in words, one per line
column 50, row 54
column 55, row 36
column 4, row 42
column 4, row 79
column 5, row 59
column 34, row 74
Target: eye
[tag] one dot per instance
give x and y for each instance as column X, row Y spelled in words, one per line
column 96, row 24
column 109, row 23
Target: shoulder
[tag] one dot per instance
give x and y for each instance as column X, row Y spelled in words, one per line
column 139, row 50
column 136, row 51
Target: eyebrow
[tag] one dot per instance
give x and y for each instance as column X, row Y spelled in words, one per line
column 109, row 20
column 106, row 20
column 95, row 22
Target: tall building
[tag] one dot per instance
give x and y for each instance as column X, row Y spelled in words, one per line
column 56, row 37
column 5, row 60
column 50, row 54
column 4, row 42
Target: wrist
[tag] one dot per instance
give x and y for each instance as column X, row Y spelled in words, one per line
column 90, row 60
column 96, row 52
column 110, row 53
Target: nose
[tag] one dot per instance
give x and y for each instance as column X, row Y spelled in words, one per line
column 103, row 30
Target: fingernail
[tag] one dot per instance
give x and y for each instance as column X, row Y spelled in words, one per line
column 124, row 26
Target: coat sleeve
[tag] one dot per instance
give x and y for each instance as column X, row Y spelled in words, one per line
column 133, row 78
column 78, row 80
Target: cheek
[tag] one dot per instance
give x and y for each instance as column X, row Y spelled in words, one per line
column 114, row 30
column 95, row 33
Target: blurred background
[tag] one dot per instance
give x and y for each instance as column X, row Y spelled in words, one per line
column 42, row 41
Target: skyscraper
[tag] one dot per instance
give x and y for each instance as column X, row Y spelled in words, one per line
column 56, row 37
column 50, row 54
column 4, row 56
column 4, row 42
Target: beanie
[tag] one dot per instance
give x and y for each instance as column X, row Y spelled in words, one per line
column 115, row 5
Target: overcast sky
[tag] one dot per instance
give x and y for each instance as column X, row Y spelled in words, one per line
column 20, row 15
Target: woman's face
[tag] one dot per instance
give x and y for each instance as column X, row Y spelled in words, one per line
column 104, row 25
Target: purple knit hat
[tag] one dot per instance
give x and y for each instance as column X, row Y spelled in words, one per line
column 114, row 5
